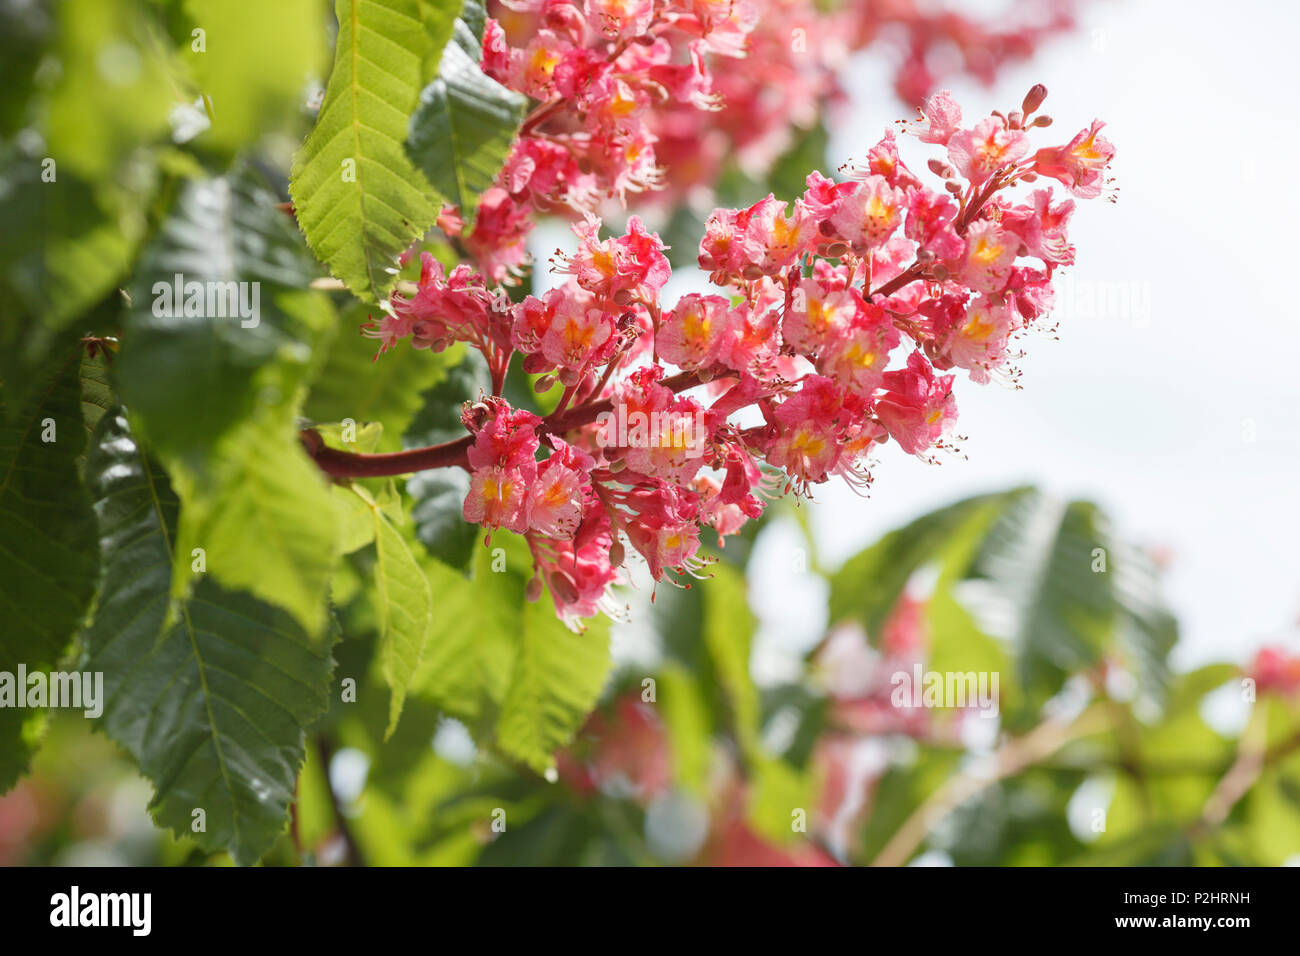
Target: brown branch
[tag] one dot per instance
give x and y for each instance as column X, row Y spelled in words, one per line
column 453, row 454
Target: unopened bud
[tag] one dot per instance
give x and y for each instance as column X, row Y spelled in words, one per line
column 952, row 187
column 1034, row 98
column 616, row 554
column 534, row 589
column 537, row 362
column 1016, row 119
column 940, row 273
column 705, row 374
column 826, row 227
column 622, row 297
column 835, row 250
column 563, row 588
column 570, row 376
column 752, row 272
column 544, row 384
column 940, row 168
column 1044, row 121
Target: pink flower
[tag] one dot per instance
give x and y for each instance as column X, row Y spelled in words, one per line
column 978, row 340
column 556, row 500
column 817, row 315
column 807, row 444
column 1043, row 226
column 692, row 333
column 623, row 269
column 1080, row 164
column 581, row 334
column 857, row 354
column 941, row 118
column 869, row 215
column 990, row 254
column 988, row 148
column 621, row 18
column 497, row 499
column 507, row 437
column 918, row 406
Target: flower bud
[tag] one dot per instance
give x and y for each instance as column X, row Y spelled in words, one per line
column 1034, row 98
column 544, row 384
column 564, row 588
column 940, row 168
column 534, row 589
column 1043, row 121
column 616, row 554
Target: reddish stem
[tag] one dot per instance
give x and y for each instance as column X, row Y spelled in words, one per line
column 345, row 464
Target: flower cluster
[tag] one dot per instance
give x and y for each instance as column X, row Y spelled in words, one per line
column 839, row 325
column 774, row 63
column 630, row 94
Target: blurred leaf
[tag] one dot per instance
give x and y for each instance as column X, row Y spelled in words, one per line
column 357, row 384
column 728, row 629
column 558, row 676
column 264, row 518
column 469, row 657
column 25, row 33
column 787, row 177
column 1050, row 579
column 358, row 199
column 212, row 703
column 405, row 606
column 867, row 586
column 190, row 369
column 116, row 87
column 254, row 77
column 49, row 553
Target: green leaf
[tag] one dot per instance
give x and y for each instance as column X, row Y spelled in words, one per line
column 470, row 652
column 96, row 392
column 115, row 87
column 49, row 554
column 356, row 384
column 191, row 369
column 359, row 200
column 1050, row 579
column 405, row 606
column 464, row 125
column 557, row 679
column 253, row 78
column 211, row 703
column 866, row 588
column 728, row 630
column 264, row 518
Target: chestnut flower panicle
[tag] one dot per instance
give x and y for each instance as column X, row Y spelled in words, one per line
column 840, row 321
